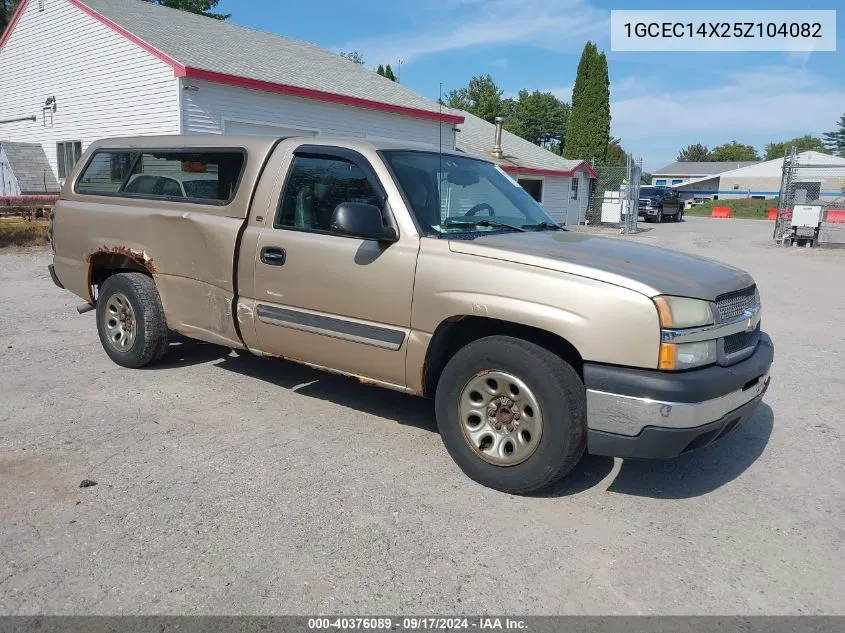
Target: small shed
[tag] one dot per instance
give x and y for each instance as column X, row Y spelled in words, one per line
column 25, row 170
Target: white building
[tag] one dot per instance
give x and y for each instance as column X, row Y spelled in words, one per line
column 683, row 171
column 73, row 71
column 561, row 186
column 763, row 179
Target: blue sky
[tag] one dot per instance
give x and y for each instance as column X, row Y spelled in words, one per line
column 660, row 101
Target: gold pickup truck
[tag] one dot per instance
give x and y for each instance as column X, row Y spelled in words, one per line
column 426, row 272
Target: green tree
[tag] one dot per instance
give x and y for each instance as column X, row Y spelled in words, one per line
column 616, row 155
column 834, row 140
column 380, row 70
column 801, row 143
column 734, row 151
column 7, row 10
column 201, row 7
column 696, row 153
column 588, row 128
column 481, row 97
column 354, row 56
column 388, row 72
column 539, row 117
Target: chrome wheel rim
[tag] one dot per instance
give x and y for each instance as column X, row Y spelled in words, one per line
column 119, row 323
column 500, row 418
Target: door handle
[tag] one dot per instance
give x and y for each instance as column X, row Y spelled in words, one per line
column 273, row 256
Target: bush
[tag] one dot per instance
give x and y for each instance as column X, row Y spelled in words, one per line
column 23, row 233
column 743, row 208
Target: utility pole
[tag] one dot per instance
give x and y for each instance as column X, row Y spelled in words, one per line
column 399, row 74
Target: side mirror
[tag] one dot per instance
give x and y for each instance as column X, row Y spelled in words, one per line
column 357, row 219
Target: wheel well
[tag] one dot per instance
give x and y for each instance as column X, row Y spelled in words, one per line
column 455, row 333
column 102, row 265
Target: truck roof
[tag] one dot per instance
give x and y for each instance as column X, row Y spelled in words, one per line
column 261, row 144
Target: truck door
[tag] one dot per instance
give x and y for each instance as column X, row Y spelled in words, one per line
column 335, row 301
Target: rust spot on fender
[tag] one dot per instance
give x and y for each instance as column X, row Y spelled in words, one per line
column 139, row 257
column 483, row 372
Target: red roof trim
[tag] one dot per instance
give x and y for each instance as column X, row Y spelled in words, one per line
column 319, row 95
column 531, row 171
column 176, row 66
column 15, row 18
column 179, row 70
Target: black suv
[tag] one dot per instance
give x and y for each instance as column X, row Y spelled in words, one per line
column 657, row 203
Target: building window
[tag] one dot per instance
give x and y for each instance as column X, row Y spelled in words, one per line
column 67, row 153
column 660, row 182
column 677, row 181
column 533, row 187
column 573, row 193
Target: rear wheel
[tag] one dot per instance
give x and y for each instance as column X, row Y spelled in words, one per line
column 511, row 414
column 130, row 320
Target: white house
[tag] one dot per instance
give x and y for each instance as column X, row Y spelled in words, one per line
column 561, row 186
column 73, row 71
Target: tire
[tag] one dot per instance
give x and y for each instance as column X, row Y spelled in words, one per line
column 136, row 334
column 560, row 421
column 680, row 216
column 659, row 218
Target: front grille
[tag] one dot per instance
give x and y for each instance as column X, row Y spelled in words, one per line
column 733, row 304
column 742, row 341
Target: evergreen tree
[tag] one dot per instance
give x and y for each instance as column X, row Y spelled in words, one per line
column 696, row 153
column 835, row 140
column 7, row 11
column 388, row 72
column 482, row 97
column 588, row 128
column 380, row 70
column 201, row 7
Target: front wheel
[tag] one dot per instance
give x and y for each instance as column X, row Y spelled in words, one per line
column 130, row 320
column 659, row 216
column 512, row 414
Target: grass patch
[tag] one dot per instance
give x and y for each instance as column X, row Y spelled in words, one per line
column 743, row 208
column 23, row 233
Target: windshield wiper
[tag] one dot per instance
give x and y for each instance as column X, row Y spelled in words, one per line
column 543, row 226
column 450, row 223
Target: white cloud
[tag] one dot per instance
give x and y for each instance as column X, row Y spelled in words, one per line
column 499, row 63
column 777, row 101
column 756, row 107
column 558, row 25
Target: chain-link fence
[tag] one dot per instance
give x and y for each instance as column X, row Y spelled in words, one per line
column 811, row 202
column 616, row 193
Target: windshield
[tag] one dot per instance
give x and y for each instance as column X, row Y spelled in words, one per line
column 451, row 195
column 650, row 191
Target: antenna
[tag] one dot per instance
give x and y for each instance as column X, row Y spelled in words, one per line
column 440, row 149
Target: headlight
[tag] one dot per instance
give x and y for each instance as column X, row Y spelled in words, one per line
column 682, row 312
column 687, row 355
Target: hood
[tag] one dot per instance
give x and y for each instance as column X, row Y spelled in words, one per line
column 646, row 269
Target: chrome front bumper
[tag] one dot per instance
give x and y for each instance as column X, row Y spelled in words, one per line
column 644, row 413
column 628, row 415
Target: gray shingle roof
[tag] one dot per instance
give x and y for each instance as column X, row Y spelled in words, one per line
column 31, row 168
column 195, row 41
column 692, row 168
column 476, row 136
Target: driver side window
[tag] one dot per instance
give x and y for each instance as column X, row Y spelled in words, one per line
column 315, row 186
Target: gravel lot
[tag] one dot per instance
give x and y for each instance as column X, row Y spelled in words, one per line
column 232, row 485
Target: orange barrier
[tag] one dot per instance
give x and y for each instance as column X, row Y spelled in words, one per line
column 720, row 212
column 836, row 216
column 773, row 214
